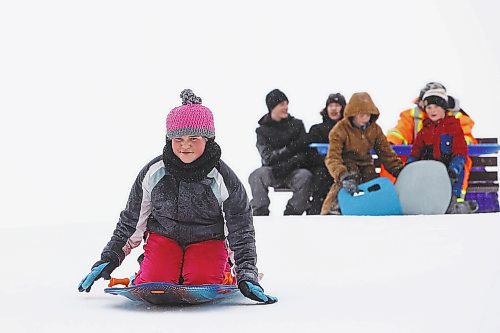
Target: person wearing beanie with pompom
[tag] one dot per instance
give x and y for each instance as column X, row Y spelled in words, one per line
column 181, row 204
column 442, row 139
column 332, row 113
column 282, row 145
column 411, row 121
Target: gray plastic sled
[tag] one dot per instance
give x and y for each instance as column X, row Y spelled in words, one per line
column 424, row 188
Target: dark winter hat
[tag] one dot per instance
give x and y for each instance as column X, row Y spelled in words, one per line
column 453, row 104
column 336, row 98
column 274, row 98
column 429, row 86
column 191, row 118
column 436, row 96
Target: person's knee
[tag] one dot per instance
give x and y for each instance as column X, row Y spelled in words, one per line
column 157, row 276
column 304, row 173
column 162, row 260
column 303, row 177
column 258, row 174
column 205, row 263
column 198, row 277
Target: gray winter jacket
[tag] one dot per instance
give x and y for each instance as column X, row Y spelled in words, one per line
column 187, row 213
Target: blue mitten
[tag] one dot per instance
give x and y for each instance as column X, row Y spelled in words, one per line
column 101, row 269
column 254, row 291
column 456, row 167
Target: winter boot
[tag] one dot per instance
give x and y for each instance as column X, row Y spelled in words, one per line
column 261, row 212
column 460, row 206
column 334, row 208
column 290, row 210
column 315, row 206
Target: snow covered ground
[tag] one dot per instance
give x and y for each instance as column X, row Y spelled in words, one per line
column 335, row 274
column 85, row 89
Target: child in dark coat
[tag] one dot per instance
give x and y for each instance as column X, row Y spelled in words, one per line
column 442, row 139
column 181, row 203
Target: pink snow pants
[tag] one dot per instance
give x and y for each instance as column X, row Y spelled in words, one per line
column 166, row 261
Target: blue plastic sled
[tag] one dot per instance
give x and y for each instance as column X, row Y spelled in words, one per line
column 162, row 293
column 376, row 197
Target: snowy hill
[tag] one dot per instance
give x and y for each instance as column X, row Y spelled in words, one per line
column 342, row 274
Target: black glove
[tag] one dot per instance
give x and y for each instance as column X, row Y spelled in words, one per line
column 285, row 168
column 396, row 172
column 254, row 291
column 101, row 269
column 349, row 183
column 282, row 170
column 279, row 154
column 298, row 145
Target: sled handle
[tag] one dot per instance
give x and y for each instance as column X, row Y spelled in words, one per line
column 228, row 279
column 115, row 281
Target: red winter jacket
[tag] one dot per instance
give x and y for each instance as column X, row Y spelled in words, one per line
column 441, row 141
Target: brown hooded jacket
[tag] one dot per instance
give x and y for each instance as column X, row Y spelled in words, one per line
column 350, row 146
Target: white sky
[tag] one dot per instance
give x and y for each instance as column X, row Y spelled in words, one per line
column 85, row 86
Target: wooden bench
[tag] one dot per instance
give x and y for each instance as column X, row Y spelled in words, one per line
column 483, row 180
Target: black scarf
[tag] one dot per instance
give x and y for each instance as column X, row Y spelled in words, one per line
column 198, row 169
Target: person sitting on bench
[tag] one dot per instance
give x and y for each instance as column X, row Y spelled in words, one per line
column 282, row 145
column 442, row 139
column 349, row 159
column 318, row 133
column 411, row 122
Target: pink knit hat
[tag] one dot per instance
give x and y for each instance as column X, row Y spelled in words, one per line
column 191, row 118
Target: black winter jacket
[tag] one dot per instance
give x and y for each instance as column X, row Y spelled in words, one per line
column 282, row 144
column 319, row 134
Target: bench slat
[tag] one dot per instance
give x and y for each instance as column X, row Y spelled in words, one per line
column 481, row 161
column 487, row 140
column 483, row 176
column 481, row 187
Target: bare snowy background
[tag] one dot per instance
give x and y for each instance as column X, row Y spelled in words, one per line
column 85, row 87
